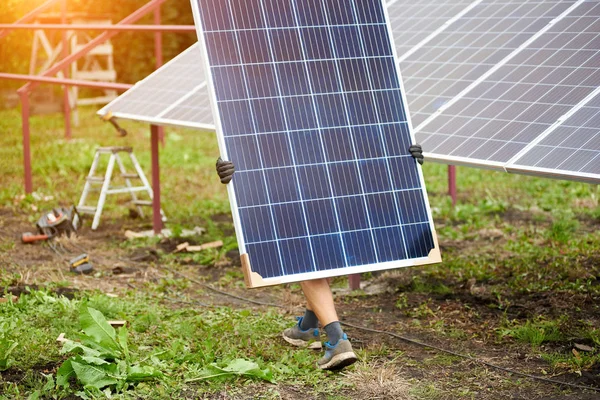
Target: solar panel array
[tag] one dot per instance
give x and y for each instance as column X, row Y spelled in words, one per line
column 311, row 112
column 523, row 96
column 175, row 94
column 572, row 147
column 471, row 46
column 484, row 79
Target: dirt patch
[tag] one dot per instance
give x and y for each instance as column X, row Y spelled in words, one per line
column 69, row 293
column 16, row 375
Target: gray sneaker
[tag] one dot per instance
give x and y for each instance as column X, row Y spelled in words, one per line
column 339, row 356
column 308, row 338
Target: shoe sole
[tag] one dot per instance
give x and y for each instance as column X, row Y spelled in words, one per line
column 340, row 361
column 316, row 345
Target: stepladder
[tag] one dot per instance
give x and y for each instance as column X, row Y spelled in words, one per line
column 103, row 184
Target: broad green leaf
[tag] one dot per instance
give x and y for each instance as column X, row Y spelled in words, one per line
column 241, row 366
column 145, row 373
column 35, row 395
column 238, row 366
column 70, row 346
column 6, row 348
column 94, row 360
column 94, row 375
column 50, row 385
column 94, row 324
column 103, row 350
column 64, row 373
column 122, row 339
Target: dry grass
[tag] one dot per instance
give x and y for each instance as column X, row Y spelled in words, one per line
column 378, row 381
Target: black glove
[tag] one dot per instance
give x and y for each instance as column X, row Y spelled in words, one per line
column 417, row 152
column 225, row 169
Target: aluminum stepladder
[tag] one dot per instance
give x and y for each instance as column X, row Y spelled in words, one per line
column 92, row 181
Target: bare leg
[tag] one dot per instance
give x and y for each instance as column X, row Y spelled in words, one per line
column 320, row 300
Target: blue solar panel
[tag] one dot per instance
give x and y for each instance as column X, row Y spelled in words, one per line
column 309, row 108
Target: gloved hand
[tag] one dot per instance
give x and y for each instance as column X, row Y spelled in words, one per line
column 417, row 152
column 225, row 169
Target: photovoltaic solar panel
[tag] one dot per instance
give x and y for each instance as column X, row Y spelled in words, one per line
column 413, row 21
column 163, row 97
column 309, row 107
column 467, row 48
column 463, row 52
column 568, row 148
column 524, row 94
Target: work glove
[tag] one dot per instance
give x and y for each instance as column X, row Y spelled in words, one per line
column 225, row 169
column 417, row 152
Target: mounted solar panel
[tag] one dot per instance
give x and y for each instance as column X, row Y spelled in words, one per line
column 309, row 107
column 570, row 149
column 174, row 95
column 414, row 21
column 467, row 47
column 523, row 95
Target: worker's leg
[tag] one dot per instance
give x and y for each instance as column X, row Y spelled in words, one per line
column 338, row 350
column 320, row 300
column 306, row 332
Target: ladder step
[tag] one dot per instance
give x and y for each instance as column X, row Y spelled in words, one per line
column 95, row 179
column 130, row 176
column 125, row 189
column 86, row 210
column 114, row 149
column 143, row 202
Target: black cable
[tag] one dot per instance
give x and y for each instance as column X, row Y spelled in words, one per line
column 406, row 339
column 221, row 292
column 511, row 371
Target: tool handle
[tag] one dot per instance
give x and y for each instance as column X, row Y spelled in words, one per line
column 113, row 122
column 30, row 238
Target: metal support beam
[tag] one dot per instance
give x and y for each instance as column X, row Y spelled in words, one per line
column 68, row 82
column 156, row 216
column 26, row 141
column 28, row 17
column 100, row 27
column 354, row 281
column 158, row 58
column 65, row 53
column 452, row 183
column 132, row 18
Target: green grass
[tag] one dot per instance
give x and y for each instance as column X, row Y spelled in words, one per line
column 178, row 342
column 510, row 238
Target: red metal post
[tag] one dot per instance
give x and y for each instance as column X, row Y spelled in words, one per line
column 156, row 217
column 158, row 57
column 452, row 183
column 354, row 281
column 26, row 141
column 158, row 54
column 65, row 53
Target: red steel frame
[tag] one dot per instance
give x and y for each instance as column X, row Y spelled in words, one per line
column 126, row 24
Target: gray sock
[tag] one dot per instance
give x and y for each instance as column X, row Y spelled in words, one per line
column 334, row 332
column 309, row 320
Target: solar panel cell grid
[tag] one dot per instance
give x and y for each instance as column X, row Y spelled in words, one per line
column 468, row 48
column 413, row 21
column 527, row 94
column 312, row 116
column 573, row 147
column 177, row 78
